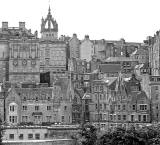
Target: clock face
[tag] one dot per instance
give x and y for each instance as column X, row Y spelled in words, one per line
column 24, row 62
column 15, row 62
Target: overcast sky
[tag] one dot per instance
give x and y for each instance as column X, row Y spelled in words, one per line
column 132, row 20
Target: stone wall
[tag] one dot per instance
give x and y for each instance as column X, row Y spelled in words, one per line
column 38, row 142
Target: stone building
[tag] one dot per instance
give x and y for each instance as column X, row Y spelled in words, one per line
column 155, row 97
column 86, row 49
column 19, row 54
column 38, row 105
column 141, row 54
column 74, row 47
column 130, row 105
column 154, row 53
column 53, row 52
column 127, row 64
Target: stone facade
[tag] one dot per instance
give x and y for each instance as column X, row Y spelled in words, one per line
column 24, row 60
column 130, row 105
column 74, row 44
column 53, row 52
column 86, row 49
column 37, row 106
column 154, row 53
column 19, row 54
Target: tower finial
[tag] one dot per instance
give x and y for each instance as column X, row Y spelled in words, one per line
column 49, row 10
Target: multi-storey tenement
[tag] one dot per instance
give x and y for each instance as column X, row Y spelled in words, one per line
column 74, row 47
column 154, row 53
column 130, row 104
column 38, row 105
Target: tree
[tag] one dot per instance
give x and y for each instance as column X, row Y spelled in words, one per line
column 87, row 135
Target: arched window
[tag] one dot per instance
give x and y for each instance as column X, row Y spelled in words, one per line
column 13, row 113
column 13, row 107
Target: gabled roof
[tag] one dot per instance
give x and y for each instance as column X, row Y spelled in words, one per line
column 136, row 96
column 32, row 93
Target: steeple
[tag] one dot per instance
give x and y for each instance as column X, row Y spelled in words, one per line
column 49, row 27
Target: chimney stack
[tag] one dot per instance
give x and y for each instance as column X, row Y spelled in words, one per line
column 22, row 25
column 4, row 25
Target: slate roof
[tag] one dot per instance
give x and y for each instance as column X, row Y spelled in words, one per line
column 135, row 96
column 110, row 68
column 33, row 93
column 119, row 59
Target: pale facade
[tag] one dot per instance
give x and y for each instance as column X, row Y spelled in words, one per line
column 86, row 49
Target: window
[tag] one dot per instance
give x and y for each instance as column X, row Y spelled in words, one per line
column 13, row 119
column 101, row 88
column 157, row 106
column 100, row 106
column 11, row 136
column 46, row 135
column 62, row 118
column 37, row 136
column 36, row 108
column 12, row 108
column 119, row 107
column 24, row 118
column 105, row 106
column 96, row 96
column 24, row 108
column 143, row 107
column 24, row 99
column 133, row 107
column 124, row 107
column 65, row 107
column 144, row 118
column 36, row 98
column 101, row 96
column 96, row 106
column 132, row 117
column 119, row 117
column 21, row 136
column 156, row 87
column 30, row 136
column 124, row 117
column 139, row 117
column 48, row 107
column 49, row 98
column 111, row 117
